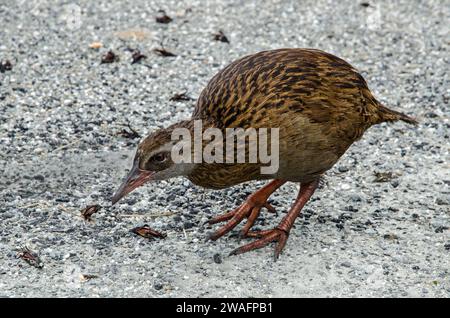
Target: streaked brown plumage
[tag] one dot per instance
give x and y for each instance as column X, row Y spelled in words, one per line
column 320, row 104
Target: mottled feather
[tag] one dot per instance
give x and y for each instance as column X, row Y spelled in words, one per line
column 320, row 103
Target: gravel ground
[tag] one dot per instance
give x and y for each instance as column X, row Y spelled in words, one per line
column 62, row 113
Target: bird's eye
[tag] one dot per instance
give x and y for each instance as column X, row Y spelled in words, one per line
column 159, row 157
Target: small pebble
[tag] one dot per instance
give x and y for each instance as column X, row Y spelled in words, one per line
column 217, row 258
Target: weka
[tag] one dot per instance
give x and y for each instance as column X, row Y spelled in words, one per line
column 319, row 102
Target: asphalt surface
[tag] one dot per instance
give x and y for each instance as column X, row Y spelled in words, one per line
column 378, row 227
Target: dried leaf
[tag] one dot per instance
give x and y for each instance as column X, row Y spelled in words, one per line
column 220, row 36
column 137, row 56
column 162, row 17
column 109, row 57
column 87, row 277
column 147, row 232
column 132, row 134
column 163, row 52
column 88, row 211
column 383, row 176
column 30, row 257
column 180, row 97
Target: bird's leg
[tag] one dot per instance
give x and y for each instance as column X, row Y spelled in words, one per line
column 281, row 232
column 250, row 209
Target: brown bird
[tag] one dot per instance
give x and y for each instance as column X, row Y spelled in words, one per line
column 319, row 103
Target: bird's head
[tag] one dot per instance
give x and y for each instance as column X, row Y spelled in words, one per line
column 153, row 161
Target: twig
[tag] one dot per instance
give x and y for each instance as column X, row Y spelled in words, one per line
column 154, row 215
column 65, row 146
column 32, row 205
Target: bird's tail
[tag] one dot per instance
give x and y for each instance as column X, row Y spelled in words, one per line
column 389, row 115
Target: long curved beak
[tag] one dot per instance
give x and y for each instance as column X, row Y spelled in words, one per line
column 135, row 178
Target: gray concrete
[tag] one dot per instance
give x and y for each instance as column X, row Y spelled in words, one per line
column 60, row 112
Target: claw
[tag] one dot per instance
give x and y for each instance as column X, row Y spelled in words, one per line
column 265, row 237
column 237, row 216
column 250, row 209
column 258, row 234
column 208, row 237
column 270, row 208
column 281, row 232
column 234, row 252
column 221, row 218
column 279, row 248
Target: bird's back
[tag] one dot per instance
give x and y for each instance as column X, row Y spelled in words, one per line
column 310, row 82
column 320, row 103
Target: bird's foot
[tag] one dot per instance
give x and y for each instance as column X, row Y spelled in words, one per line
column 281, row 232
column 265, row 237
column 250, row 209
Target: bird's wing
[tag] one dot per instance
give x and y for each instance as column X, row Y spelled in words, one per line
column 260, row 87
